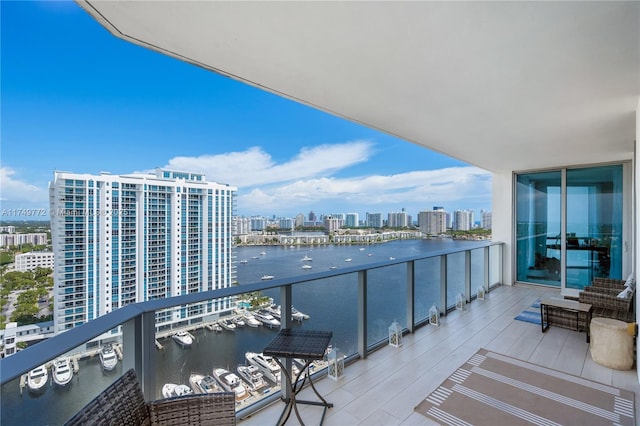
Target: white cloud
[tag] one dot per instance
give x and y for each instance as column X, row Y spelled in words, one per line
column 15, row 193
column 255, row 167
column 416, row 190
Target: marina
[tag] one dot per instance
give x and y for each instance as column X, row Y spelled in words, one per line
column 224, row 348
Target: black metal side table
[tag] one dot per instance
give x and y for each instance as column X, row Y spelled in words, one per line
column 308, row 345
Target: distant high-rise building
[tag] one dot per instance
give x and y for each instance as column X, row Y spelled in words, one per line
column 432, row 222
column 463, row 220
column 312, row 216
column 374, row 220
column 286, row 223
column 352, row 220
column 119, row 240
column 243, row 226
column 299, row 219
column 332, row 223
column 258, row 223
column 398, row 219
column 486, row 219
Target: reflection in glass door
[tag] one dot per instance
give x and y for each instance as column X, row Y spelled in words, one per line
column 569, row 226
column 538, row 219
column 594, row 224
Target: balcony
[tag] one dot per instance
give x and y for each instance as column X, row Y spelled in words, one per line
column 392, row 379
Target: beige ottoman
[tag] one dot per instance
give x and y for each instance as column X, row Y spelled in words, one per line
column 611, row 344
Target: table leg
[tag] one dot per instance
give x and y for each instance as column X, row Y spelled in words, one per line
column 544, row 313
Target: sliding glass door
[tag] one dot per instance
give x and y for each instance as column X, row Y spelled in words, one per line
column 538, row 222
column 569, row 226
column 594, row 224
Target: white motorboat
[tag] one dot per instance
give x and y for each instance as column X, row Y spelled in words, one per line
column 243, row 261
column 214, row 327
column 62, row 371
column 263, row 253
column 183, row 338
column 266, row 364
column 108, row 357
column 252, row 376
column 37, row 379
column 306, row 266
column 333, row 267
column 306, row 258
column 347, row 260
column 203, row 384
column 251, row 320
column 227, row 324
column 266, row 318
column 169, row 390
column 297, row 315
column 230, row 382
column 267, row 277
column 274, row 310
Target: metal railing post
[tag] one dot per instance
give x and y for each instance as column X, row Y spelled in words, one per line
column 467, row 276
column 139, row 351
column 362, row 314
column 285, row 322
column 443, row 283
column 411, row 289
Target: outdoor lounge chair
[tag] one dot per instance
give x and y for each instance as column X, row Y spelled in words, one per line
column 122, row 403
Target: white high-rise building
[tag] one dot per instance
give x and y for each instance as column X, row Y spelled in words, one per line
column 463, row 220
column 353, row 220
column 432, row 222
column 118, row 240
column 486, row 219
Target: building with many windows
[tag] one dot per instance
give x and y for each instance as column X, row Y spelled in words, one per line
column 432, row 222
column 32, row 260
column 124, row 239
column 374, row 220
column 463, row 220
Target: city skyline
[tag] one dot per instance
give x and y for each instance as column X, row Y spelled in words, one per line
column 77, row 99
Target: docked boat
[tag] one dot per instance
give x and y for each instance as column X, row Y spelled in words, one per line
column 266, row 364
column 203, row 384
column 183, row 338
column 251, row 320
column 239, row 321
column 169, row 390
column 230, row 382
column 266, row 318
column 108, row 357
column 214, row 327
column 37, row 379
column 62, row 371
column 227, row 324
column 252, row 376
column 297, row 315
column 267, row 277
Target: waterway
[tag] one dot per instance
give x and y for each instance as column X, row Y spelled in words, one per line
column 331, row 305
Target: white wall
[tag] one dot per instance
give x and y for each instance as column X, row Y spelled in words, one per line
column 636, row 216
column 501, row 226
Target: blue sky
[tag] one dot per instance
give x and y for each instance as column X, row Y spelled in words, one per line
column 75, row 98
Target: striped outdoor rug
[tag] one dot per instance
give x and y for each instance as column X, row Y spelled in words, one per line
column 494, row 389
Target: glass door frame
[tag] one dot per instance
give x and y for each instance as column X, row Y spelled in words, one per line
column 627, row 224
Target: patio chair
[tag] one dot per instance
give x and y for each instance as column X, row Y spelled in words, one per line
column 122, row 403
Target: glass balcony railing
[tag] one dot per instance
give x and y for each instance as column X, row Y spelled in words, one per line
column 357, row 303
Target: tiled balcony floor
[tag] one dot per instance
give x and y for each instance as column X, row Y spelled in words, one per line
column 384, row 388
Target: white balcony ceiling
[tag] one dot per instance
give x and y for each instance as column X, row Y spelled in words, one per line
column 502, row 85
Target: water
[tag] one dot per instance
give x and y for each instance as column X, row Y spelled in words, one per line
column 330, row 304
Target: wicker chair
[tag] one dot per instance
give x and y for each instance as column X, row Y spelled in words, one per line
column 122, row 403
